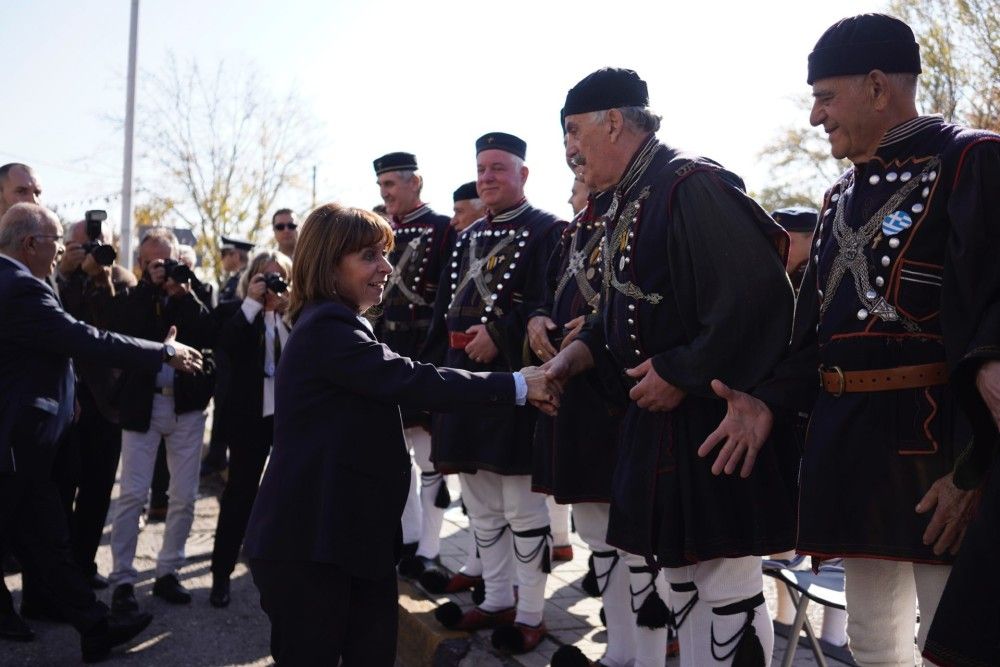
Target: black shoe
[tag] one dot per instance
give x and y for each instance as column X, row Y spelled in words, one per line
column 219, row 597
column 97, row 582
column 123, row 600
column 156, row 515
column 412, row 567
column 409, row 549
column 13, row 627
column 111, row 631
column 170, row 589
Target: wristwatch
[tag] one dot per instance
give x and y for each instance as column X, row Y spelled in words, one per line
column 169, row 352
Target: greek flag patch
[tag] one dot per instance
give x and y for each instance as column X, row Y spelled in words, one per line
column 896, row 222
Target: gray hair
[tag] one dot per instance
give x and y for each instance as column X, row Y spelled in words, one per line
column 21, row 221
column 638, row 119
column 407, row 175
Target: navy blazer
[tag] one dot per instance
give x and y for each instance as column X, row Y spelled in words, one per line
column 37, row 340
column 336, row 484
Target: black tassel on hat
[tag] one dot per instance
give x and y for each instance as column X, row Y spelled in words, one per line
column 442, row 499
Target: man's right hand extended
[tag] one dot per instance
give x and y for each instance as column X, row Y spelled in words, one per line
column 187, row 359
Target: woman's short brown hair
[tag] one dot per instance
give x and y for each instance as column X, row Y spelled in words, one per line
column 329, row 233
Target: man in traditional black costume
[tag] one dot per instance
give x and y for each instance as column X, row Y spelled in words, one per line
column 423, row 241
column 899, row 313
column 694, row 287
column 481, row 315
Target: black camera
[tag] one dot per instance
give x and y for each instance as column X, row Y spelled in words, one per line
column 275, row 283
column 178, row 271
column 104, row 255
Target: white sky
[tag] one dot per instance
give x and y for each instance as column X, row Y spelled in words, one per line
column 424, row 77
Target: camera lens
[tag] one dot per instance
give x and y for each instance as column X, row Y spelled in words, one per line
column 104, row 255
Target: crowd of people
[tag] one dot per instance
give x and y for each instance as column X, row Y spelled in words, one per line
column 705, row 383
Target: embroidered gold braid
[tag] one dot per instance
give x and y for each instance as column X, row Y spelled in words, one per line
column 851, row 257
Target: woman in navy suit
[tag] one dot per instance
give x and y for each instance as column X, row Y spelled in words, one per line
column 324, row 534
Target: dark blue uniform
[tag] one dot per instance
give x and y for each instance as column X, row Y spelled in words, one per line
column 485, row 282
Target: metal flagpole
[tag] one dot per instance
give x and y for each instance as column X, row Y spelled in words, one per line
column 126, row 235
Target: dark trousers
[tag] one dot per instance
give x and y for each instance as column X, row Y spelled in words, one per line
column 95, row 446
column 320, row 614
column 247, row 455
column 34, row 526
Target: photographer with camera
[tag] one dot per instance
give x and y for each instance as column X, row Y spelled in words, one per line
column 252, row 340
column 91, row 284
column 160, row 405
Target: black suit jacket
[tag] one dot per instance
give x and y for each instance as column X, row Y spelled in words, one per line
column 241, row 344
column 339, row 472
column 144, row 313
column 37, row 340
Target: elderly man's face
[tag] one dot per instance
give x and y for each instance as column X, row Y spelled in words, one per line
column 587, row 141
column 500, row 182
column 400, row 196
column 43, row 248
column 20, row 186
column 466, row 213
column 844, row 108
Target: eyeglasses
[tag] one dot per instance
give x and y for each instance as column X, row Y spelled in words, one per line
column 282, row 226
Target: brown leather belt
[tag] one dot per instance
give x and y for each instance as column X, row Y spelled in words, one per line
column 837, row 381
column 457, row 340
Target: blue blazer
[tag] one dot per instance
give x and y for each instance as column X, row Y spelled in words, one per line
column 37, row 340
column 337, row 480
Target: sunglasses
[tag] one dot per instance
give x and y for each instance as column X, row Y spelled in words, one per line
column 282, row 226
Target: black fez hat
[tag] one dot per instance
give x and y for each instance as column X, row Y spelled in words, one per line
column 502, row 141
column 230, row 243
column 607, row 88
column 859, row 44
column 797, row 218
column 395, row 162
column 466, row 191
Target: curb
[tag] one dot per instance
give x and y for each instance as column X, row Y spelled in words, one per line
column 422, row 640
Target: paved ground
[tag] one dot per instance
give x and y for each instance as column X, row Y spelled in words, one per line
column 200, row 635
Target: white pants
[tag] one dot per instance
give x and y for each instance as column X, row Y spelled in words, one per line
column 183, row 435
column 501, row 509
column 558, row 521
column 626, row 641
column 422, row 519
column 718, row 583
column 882, row 599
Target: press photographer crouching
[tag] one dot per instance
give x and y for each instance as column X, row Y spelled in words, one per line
column 91, row 284
column 160, row 405
column 252, row 340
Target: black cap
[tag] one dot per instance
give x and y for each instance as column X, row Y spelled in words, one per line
column 395, row 162
column 862, row 43
column 466, row 191
column 502, row 141
column 607, row 88
column 230, row 243
column 797, row 218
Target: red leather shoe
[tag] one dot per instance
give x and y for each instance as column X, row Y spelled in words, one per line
column 563, row 553
column 460, row 582
column 478, row 619
column 518, row 638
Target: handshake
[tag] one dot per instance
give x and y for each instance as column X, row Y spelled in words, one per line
column 543, row 391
